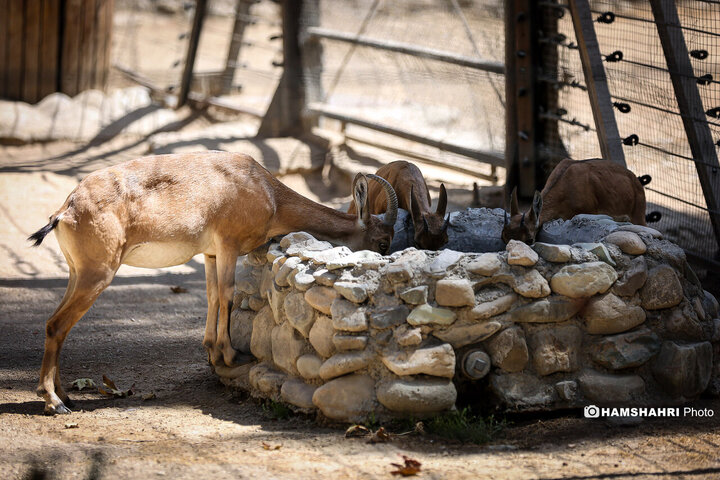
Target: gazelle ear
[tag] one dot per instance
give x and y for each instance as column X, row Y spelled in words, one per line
column 414, row 208
column 537, row 208
column 442, row 201
column 360, row 196
column 514, row 209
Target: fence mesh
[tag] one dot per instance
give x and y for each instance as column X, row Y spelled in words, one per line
column 431, row 98
column 645, row 105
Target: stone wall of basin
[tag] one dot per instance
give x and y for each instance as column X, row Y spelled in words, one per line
column 623, row 321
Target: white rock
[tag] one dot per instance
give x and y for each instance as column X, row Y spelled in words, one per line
column 437, row 361
column 520, row 254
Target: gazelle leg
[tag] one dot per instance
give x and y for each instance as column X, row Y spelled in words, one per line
column 210, row 338
column 81, row 294
column 226, row 261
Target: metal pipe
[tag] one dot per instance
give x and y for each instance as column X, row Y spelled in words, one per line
column 408, row 49
column 484, row 156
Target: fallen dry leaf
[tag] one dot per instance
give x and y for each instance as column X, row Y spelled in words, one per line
column 357, row 431
column 80, row 383
column 178, row 289
column 71, row 425
column 381, row 436
column 148, row 396
column 111, row 389
column 410, row 468
column 267, row 446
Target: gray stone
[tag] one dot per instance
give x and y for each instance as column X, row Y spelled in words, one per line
column 710, row 304
column 349, row 342
column 467, row 332
column 267, row 380
column 641, row 229
column 553, row 253
column 436, row 361
column 295, row 237
column 287, row 346
column 522, row 391
column 324, row 277
column 567, row 390
column 299, row 313
column 427, row 315
column 260, row 340
column 445, row 260
column 556, row 349
column 628, row 242
column 281, row 277
column 298, row 393
column 399, row 273
column 274, row 252
column 520, row 254
column 583, row 280
column 348, row 317
column 256, row 303
column 408, row 337
column 277, row 263
column 355, row 292
column 415, row 295
column 417, row 396
column 366, row 258
column 683, row 370
column 349, row 398
column 552, row 309
column 321, row 298
column 683, row 324
column 508, row 349
column 241, row 324
column 531, row 285
column 454, row 293
column 309, row 366
column 494, row 307
column 343, row 363
column 662, row 289
column 276, row 298
column 321, row 336
column 633, row 278
column 617, row 389
column 303, row 280
column 626, row 350
column 266, row 281
column 387, row 317
column 486, row 264
column 599, row 250
column 610, row 314
column 300, row 248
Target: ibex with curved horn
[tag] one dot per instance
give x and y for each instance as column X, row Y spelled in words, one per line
column 594, row 186
column 161, row 211
column 413, row 195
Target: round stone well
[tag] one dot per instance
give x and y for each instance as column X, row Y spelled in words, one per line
column 617, row 317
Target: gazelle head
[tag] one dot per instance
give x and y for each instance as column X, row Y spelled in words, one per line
column 522, row 226
column 430, row 228
column 375, row 234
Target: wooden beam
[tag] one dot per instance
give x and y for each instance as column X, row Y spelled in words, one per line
column 49, row 49
column 4, row 38
column 33, row 25
column 690, row 106
column 596, row 80
column 15, row 54
column 200, row 8
column 242, row 10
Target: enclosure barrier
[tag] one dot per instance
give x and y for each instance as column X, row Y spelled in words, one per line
column 620, row 322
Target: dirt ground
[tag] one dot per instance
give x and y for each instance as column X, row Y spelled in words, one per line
column 141, row 333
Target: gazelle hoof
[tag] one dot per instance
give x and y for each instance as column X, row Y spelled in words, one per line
column 60, row 409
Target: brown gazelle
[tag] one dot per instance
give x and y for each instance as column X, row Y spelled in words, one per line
column 594, row 186
column 161, row 211
column 413, row 195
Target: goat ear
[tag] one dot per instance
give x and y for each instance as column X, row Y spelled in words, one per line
column 414, row 207
column 442, row 201
column 514, row 209
column 536, row 209
column 360, row 195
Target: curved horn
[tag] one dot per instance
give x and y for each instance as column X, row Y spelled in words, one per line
column 392, row 201
column 442, row 201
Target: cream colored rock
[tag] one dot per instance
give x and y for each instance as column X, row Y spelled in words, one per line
column 321, row 335
column 520, row 254
column 417, row 396
column 428, row 315
column 349, row 399
column 494, row 307
column 298, row 393
column 454, row 293
column 309, row 366
column 321, row 298
column 343, row 363
column 583, row 280
column 486, row 264
column 629, row 242
column 436, row 361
